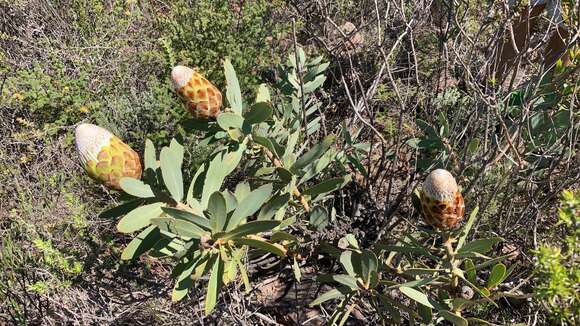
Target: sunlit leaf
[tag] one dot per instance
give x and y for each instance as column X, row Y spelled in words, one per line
column 249, row 205
column 214, row 285
column 141, row 243
column 233, row 93
column 136, row 188
column 139, row 218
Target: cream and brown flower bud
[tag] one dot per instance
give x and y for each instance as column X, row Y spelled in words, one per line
column 441, row 202
column 201, row 97
column 105, row 157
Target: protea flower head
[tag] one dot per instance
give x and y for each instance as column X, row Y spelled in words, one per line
column 105, row 157
column 441, row 202
column 201, row 97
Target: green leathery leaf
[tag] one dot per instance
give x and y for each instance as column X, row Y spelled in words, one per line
column 171, row 159
column 253, row 227
column 467, row 228
column 314, row 153
column 266, row 143
column 329, row 295
column 259, row 112
column 324, row 187
column 416, row 295
column 496, row 276
column 196, row 185
column 230, row 120
column 216, row 206
column 136, row 188
column 184, row 280
column 319, row 217
column 233, row 93
column 456, row 320
column 214, row 285
column 249, row 205
column 221, row 166
column 344, row 279
column 480, row 246
column 469, row 270
column 311, row 86
column 263, row 94
column 263, row 245
column 291, row 143
column 425, row 313
column 139, row 218
column 182, row 228
column 188, row 216
column 347, row 260
column 141, row 243
column 231, row 201
column 272, row 206
column 149, row 156
column 368, row 264
column 296, row 270
column 122, row 209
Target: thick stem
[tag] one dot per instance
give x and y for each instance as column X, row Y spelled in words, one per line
column 448, row 240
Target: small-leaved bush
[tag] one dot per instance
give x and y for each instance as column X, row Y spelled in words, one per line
column 558, row 265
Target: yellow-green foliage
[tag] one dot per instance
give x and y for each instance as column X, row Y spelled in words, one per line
column 558, row 266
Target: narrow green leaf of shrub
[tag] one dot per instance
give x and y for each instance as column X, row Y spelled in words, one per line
column 216, row 206
column 249, row 205
column 196, row 185
column 427, row 128
column 259, row 112
column 369, row 264
column 473, row 146
column 171, row 159
column 425, row 313
column 332, row 294
column 284, row 174
column 214, row 285
column 233, row 93
column 481, row 246
column 221, row 166
column 324, row 187
column 242, row 191
column 229, row 120
column 253, row 227
column 444, row 123
column 231, row 201
column 139, row 218
column 272, row 206
column 291, row 142
column 179, row 227
column 184, row 282
column 470, row 270
column 314, row 153
column 418, row 296
column 263, row 245
column 136, row 188
column 188, row 216
column 141, row 243
column 244, row 276
column 467, row 227
column 150, row 156
column 347, row 280
column 296, row 270
column 319, row 217
column 263, row 94
column 453, row 318
column 346, row 260
column 266, row 143
column 496, row 276
column 121, row 209
column 313, row 85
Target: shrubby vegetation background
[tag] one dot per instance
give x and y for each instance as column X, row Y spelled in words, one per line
column 409, row 77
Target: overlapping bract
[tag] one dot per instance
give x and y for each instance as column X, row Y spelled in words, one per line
column 201, row 97
column 441, row 202
column 105, row 157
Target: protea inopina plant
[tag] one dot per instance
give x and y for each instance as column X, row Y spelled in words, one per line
column 441, row 202
column 105, row 157
column 201, row 97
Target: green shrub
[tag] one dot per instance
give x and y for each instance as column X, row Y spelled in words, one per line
column 558, row 265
